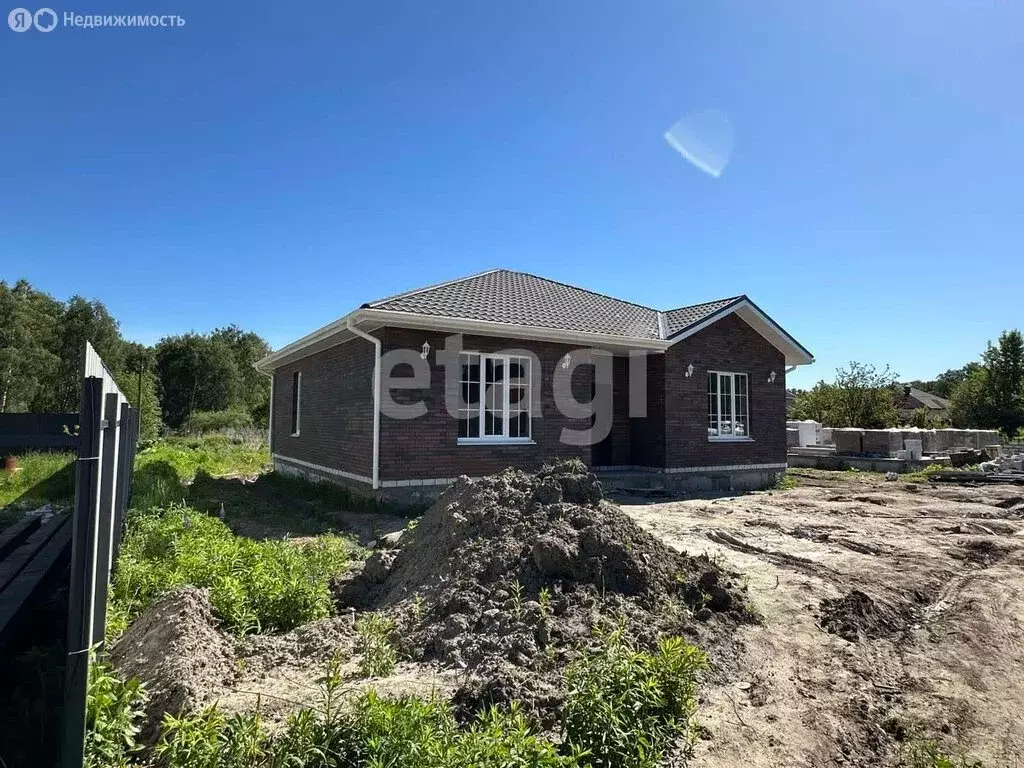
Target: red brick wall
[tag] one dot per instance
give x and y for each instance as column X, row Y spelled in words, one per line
column 647, row 435
column 728, row 345
column 426, row 447
column 336, row 410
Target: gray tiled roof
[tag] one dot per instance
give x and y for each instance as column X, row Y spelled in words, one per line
column 928, row 400
column 679, row 319
column 518, row 298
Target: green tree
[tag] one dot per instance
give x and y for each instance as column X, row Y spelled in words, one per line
column 861, row 396
column 248, row 347
column 816, row 404
column 969, row 404
column 945, row 383
column 196, row 373
column 81, row 321
column 28, row 321
column 1004, row 368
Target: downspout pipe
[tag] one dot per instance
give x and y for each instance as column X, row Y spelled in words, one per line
column 376, row 397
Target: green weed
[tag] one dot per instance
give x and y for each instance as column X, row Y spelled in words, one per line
column 378, row 652
column 786, row 482
column 255, row 586
column 544, row 598
column 926, row 753
column 627, row 707
column 114, row 712
column 516, row 588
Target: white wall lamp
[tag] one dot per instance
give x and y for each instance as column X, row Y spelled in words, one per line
column 566, row 361
column 771, row 377
column 426, row 351
column 689, row 370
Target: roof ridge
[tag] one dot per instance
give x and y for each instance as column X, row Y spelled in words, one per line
column 413, row 292
column 729, row 299
column 576, row 288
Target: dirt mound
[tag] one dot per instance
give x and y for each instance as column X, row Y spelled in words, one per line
column 856, row 615
column 507, row 576
column 175, row 648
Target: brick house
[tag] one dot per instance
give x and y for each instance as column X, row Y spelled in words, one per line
column 504, row 368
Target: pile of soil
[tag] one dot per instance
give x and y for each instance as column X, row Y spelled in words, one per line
column 465, row 584
column 856, row 615
column 176, row 649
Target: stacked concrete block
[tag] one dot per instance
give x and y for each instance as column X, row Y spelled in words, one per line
column 792, row 437
column 848, row 440
column 914, row 449
column 943, row 440
column 929, row 442
column 884, row 442
column 809, row 430
column 990, row 437
column 826, row 436
column 960, row 438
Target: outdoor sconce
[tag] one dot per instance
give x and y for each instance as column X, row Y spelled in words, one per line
column 566, row 361
column 426, row 351
column 689, row 370
column 771, row 377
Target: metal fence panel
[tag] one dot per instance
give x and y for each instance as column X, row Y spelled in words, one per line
column 108, row 435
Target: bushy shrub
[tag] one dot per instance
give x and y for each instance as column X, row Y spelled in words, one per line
column 627, row 707
column 255, row 586
column 114, row 712
column 213, row 421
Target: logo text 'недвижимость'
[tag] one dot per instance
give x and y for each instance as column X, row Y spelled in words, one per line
column 46, row 20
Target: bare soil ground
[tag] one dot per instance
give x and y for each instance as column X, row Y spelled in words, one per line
column 889, row 608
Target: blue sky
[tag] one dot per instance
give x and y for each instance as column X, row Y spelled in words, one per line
column 275, row 166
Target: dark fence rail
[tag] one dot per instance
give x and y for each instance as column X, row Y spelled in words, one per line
column 38, row 431
column 60, row 567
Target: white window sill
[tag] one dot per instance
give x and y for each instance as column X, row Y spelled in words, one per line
column 730, row 439
column 495, row 441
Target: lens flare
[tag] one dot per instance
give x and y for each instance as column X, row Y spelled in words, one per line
column 704, row 138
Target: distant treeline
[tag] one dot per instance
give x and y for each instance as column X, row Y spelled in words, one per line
column 985, row 394
column 42, row 341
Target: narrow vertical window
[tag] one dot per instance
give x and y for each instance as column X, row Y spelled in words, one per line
column 469, row 408
column 296, row 401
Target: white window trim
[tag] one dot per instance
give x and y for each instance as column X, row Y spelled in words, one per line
column 731, row 438
column 499, row 439
column 298, row 405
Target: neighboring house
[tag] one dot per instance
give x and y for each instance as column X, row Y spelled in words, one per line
column 911, row 399
column 697, row 394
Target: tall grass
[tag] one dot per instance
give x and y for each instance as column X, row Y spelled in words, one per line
column 255, row 586
column 162, row 469
column 40, row 478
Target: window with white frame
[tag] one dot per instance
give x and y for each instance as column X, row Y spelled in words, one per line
column 495, row 398
column 728, row 405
